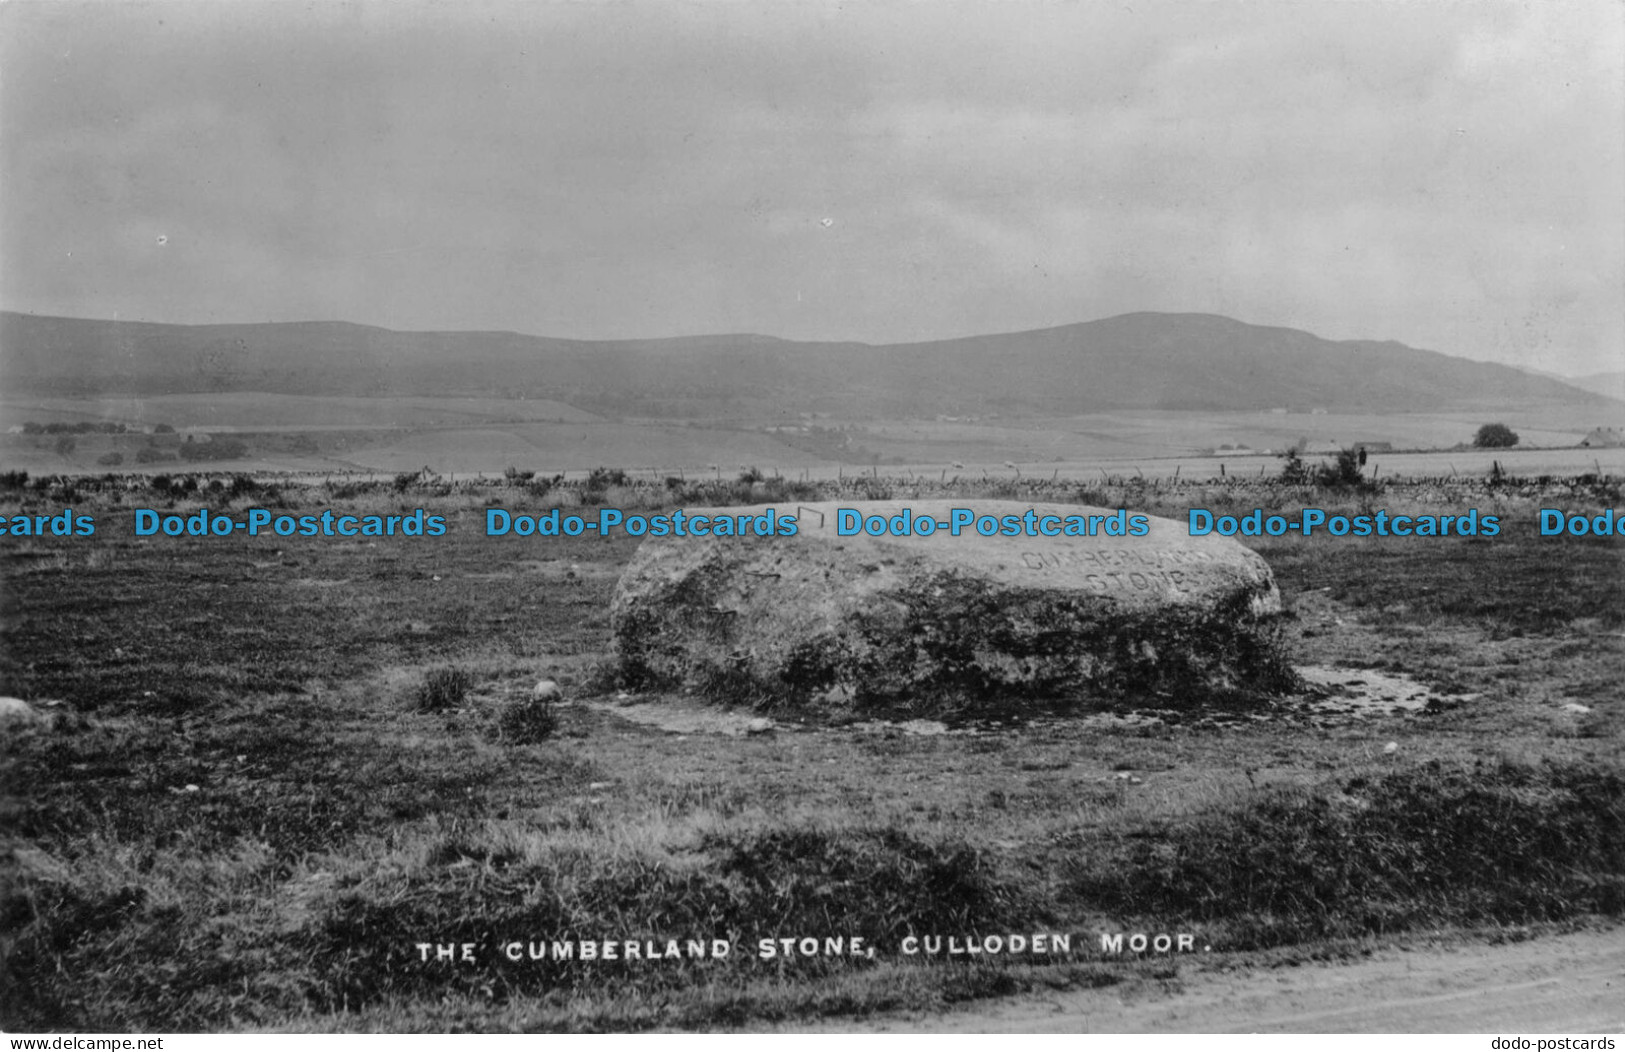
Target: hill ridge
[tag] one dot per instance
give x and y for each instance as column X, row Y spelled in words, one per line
column 1138, row 360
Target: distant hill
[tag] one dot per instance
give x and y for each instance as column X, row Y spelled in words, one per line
column 1134, row 361
column 1610, row 384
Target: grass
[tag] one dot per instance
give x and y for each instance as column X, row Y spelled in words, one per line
column 444, row 688
column 527, row 721
column 335, row 822
column 1385, row 854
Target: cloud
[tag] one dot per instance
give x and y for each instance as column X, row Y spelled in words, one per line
column 1445, row 174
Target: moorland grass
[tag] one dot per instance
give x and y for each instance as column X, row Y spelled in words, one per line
column 240, row 820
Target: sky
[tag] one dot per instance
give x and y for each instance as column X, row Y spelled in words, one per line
column 1446, row 173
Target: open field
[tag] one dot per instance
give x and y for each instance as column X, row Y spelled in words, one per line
column 1466, row 464
column 332, row 435
column 244, row 810
column 261, row 410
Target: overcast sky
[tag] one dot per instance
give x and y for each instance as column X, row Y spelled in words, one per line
column 1447, row 174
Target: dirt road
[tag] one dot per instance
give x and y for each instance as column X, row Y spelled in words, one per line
column 1568, row 984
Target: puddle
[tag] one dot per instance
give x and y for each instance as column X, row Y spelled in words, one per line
column 1369, row 692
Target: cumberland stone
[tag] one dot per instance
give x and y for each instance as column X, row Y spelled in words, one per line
column 941, row 623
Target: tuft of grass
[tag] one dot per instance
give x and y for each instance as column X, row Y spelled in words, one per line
column 527, row 721
column 444, row 688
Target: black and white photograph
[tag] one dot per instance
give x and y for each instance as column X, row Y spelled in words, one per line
column 727, row 516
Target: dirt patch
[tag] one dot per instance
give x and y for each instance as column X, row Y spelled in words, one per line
column 918, row 728
column 1333, row 695
column 678, row 717
column 686, row 715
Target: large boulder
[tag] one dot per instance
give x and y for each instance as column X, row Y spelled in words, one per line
column 941, row 624
column 16, row 711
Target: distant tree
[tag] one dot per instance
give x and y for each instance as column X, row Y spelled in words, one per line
column 163, row 429
column 1345, row 471
column 603, row 478
column 1294, row 472
column 1495, row 436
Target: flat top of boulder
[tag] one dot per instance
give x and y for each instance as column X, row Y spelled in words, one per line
column 1165, row 564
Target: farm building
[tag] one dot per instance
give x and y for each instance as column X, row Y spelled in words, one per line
column 1604, row 438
